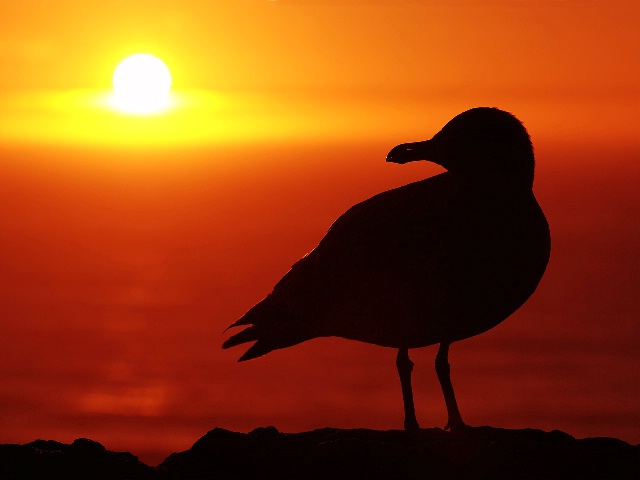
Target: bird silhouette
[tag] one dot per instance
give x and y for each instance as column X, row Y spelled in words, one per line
column 432, row 262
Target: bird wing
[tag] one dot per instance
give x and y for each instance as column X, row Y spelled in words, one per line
column 443, row 258
column 375, row 265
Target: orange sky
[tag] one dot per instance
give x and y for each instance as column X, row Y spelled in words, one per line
column 540, row 45
column 127, row 244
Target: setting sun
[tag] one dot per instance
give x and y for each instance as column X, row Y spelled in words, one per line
column 141, row 83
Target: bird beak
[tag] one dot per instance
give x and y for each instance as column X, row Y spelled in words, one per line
column 410, row 152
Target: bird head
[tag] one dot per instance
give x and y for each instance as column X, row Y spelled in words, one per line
column 480, row 140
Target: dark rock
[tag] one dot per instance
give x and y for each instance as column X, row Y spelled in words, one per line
column 266, row 453
column 84, row 446
column 475, row 453
column 83, row 459
column 265, row 431
column 47, row 445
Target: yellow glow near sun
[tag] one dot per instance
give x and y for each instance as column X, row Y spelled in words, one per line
column 141, row 84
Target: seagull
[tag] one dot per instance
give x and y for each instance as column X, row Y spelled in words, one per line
column 432, row 262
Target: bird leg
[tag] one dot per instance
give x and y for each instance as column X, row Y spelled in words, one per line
column 405, row 366
column 443, row 370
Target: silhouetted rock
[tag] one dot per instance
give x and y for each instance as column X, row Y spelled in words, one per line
column 83, row 459
column 475, row 453
column 329, row 453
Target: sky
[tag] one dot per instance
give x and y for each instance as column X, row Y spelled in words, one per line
column 129, row 243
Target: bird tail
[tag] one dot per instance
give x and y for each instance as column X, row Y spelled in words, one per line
column 270, row 326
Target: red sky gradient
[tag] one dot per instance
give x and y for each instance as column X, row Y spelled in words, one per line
column 127, row 245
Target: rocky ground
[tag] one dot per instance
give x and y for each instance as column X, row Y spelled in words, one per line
column 329, row 453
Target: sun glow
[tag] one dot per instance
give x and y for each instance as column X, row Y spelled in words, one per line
column 141, row 84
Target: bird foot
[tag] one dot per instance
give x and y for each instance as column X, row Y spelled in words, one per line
column 456, row 426
column 411, row 425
